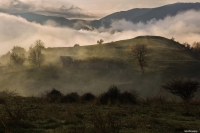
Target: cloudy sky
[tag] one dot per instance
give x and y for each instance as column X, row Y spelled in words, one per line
column 80, row 8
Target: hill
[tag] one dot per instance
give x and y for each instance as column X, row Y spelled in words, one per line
column 168, row 59
column 146, row 14
column 42, row 19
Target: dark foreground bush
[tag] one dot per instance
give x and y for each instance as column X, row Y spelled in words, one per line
column 87, row 97
column 54, row 96
column 184, row 88
column 127, row 97
column 70, row 98
column 112, row 96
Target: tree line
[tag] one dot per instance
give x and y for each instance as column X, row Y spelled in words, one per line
column 35, row 56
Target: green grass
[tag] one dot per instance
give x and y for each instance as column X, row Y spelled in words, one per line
column 38, row 116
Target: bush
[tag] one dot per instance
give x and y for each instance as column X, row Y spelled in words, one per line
column 7, row 93
column 76, row 45
column 184, row 88
column 2, row 101
column 17, row 59
column 54, row 95
column 88, row 97
column 111, row 95
column 104, row 98
column 70, row 98
column 127, row 97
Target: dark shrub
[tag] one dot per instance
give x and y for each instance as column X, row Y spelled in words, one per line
column 104, row 98
column 2, row 101
column 127, row 97
column 111, row 95
column 70, row 98
column 88, row 97
column 184, row 88
column 54, row 95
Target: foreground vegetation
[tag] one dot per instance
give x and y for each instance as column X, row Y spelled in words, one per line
column 88, row 114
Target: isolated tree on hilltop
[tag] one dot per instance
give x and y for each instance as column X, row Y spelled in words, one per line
column 76, row 45
column 35, row 53
column 140, row 52
column 100, row 41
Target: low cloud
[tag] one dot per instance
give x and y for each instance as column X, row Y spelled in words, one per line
column 185, row 27
column 53, row 8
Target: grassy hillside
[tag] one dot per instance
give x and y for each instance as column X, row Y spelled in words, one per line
column 168, row 59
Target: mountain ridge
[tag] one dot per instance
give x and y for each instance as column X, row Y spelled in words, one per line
column 134, row 15
column 151, row 13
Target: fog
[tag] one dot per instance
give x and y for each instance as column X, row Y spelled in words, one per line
column 185, row 27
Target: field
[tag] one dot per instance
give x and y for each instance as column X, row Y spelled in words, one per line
column 153, row 115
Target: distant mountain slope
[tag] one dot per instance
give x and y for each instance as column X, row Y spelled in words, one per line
column 146, row 14
column 128, row 15
column 134, row 15
column 41, row 19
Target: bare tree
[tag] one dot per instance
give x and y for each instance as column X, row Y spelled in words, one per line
column 140, row 52
column 35, row 53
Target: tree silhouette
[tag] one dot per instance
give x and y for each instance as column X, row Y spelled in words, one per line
column 35, row 53
column 184, row 88
column 100, row 41
column 17, row 56
column 196, row 48
column 140, row 52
